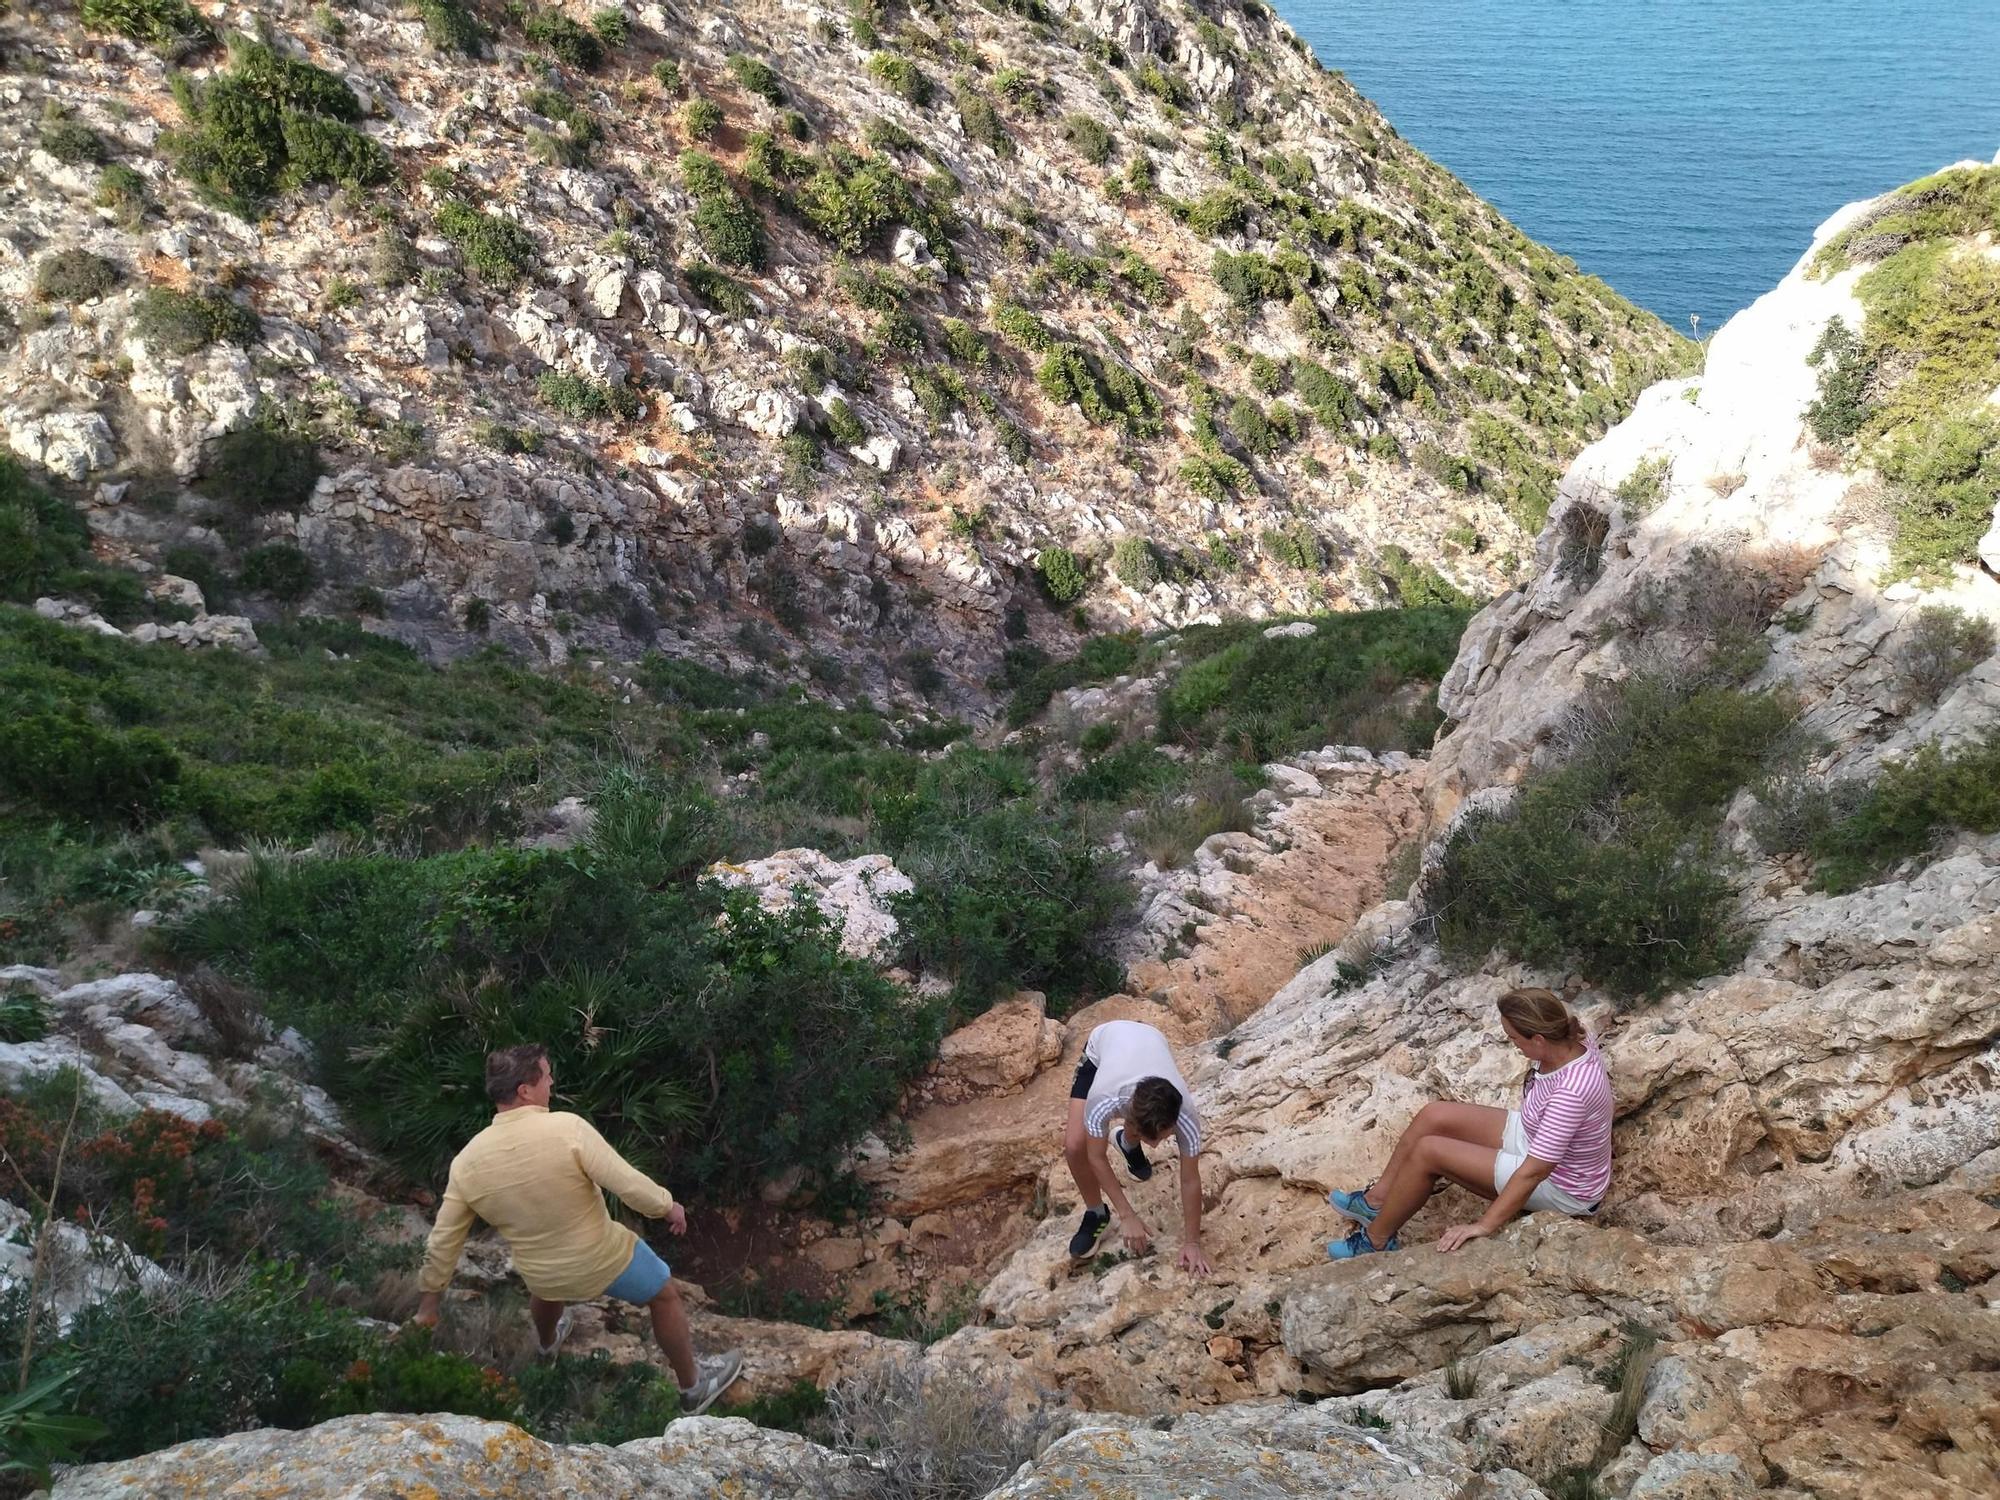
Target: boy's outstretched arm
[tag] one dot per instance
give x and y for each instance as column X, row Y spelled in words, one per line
column 1193, row 1257
column 1131, row 1228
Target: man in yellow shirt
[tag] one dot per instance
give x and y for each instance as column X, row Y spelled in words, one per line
column 540, row 1179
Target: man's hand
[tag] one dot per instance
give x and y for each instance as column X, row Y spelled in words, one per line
column 677, row 1220
column 1462, row 1234
column 1134, row 1237
column 1194, row 1259
column 426, row 1315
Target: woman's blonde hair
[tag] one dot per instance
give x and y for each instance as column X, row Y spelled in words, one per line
column 1538, row 1012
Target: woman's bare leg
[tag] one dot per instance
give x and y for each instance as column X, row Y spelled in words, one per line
column 1479, row 1124
column 1435, row 1156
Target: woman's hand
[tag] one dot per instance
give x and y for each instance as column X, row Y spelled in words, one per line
column 1195, row 1260
column 1462, row 1234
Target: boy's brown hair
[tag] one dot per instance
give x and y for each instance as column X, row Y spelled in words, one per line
column 1156, row 1105
column 511, row 1067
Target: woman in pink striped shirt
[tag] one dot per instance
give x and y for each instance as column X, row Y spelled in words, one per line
column 1554, row 1152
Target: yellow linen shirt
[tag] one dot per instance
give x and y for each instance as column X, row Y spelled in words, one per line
column 539, row 1179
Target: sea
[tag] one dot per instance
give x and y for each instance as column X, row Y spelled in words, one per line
column 1683, row 150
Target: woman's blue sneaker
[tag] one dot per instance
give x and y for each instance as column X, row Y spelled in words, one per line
column 1358, row 1243
column 1355, row 1205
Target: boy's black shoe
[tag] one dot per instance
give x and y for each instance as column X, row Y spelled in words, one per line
column 1095, row 1222
column 1135, row 1158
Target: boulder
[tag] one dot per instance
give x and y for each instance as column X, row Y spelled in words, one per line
column 854, row 892
column 998, row 1052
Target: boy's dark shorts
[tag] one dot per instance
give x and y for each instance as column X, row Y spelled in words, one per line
column 1086, row 1075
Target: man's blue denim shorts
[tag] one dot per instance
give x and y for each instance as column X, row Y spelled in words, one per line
column 640, row 1282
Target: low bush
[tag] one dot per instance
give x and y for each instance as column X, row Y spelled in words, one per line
column 726, row 227
column 1062, row 576
column 1134, row 563
column 438, row 961
column 902, row 77
column 564, row 40
column 700, row 119
column 1263, row 698
column 1945, row 483
column 718, row 290
column 1645, row 487
column 929, row 1433
column 1608, row 863
column 123, row 189
column 172, row 28
column 585, row 399
column 1942, row 646
column 450, row 27
column 980, row 120
column 268, row 124
column 1294, row 544
column 66, row 139
column 76, row 769
column 45, row 549
column 1841, row 408
column 611, row 26
column 1330, row 398
column 756, row 77
column 75, row 276
column 175, row 322
column 1105, row 391
column 1419, row 586
column 282, row 571
column 498, row 250
column 1901, row 814
column 261, row 467
column 1090, row 136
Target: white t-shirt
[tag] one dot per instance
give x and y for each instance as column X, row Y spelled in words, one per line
column 1127, row 1052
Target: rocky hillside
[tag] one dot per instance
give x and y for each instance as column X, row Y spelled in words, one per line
column 1742, row 733
column 771, row 331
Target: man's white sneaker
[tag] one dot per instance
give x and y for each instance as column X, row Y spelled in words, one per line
column 712, row 1376
column 548, row 1351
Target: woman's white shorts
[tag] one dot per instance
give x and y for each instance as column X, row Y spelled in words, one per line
column 1546, row 1196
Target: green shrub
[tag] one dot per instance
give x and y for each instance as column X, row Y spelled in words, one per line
column 45, row 549
column 1945, row 482
column 1418, row 586
column 122, row 188
column 1901, row 814
column 594, row 1400
column 1062, row 576
column 1250, row 280
column 1105, row 391
column 1010, row 896
column 843, row 426
column 850, row 204
column 611, row 27
column 180, row 323
column 1022, row 328
column 66, row 139
column 282, row 571
column 981, row 121
column 810, row 1046
column 1091, row 138
column 727, row 228
column 700, row 118
column 244, row 124
column 667, row 74
column 1402, row 377
column 1841, row 408
column 1240, row 690
column 1214, row 476
column 580, row 397
column 75, row 276
column 564, row 40
column 755, row 77
column 1330, row 398
column 262, row 467
column 77, row 769
column 450, row 27
column 1608, row 863
column 1449, row 469
column 718, row 290
column 172, row 28
column 1294, row 544
column 498, row 250
column 902, row 77
column 1218, row 212
column 1942, row 646
column 1134, row 563
column 1645, row 487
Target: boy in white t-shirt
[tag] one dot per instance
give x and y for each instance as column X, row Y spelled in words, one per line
column 1128, row 1075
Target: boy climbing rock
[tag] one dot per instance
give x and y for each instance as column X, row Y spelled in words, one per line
column 1129, row 1093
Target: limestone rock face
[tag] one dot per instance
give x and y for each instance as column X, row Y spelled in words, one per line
column 1251, row 1453
column 855, row 892
column 999, row 1052
column 696, row 1459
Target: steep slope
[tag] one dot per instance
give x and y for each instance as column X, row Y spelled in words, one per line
column 668, row 327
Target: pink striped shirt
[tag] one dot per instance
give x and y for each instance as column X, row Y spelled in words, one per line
column 1566, row 1117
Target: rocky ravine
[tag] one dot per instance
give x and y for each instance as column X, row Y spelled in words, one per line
column 1807, row 1199
column 850, row 437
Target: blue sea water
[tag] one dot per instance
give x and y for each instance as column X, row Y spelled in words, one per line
column 1684, row 150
